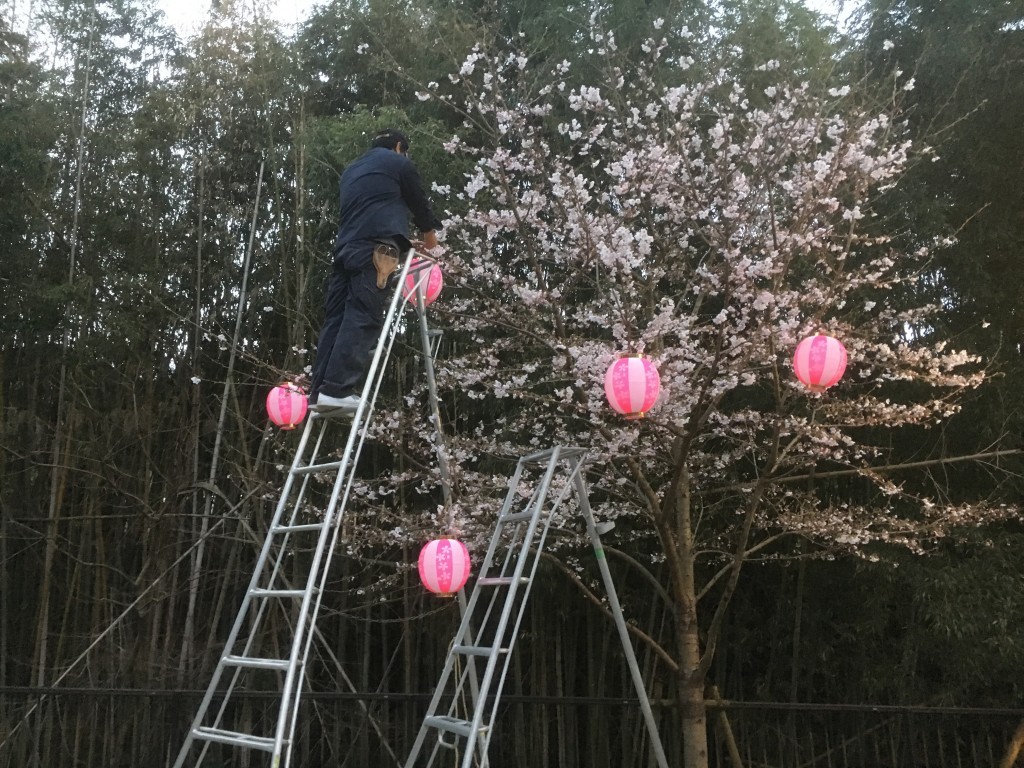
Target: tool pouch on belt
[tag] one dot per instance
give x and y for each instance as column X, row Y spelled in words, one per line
column 385, row 261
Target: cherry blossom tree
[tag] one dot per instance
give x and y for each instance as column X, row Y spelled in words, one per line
column 665, row 208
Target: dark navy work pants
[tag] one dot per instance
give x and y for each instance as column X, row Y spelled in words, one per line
column 353, row 317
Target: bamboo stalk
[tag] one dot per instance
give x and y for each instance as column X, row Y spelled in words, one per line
column 545, row 677
column 367, row 643
column 196, row 401
column 1013, row 749
column 4, row 533
column 58, row 473
column 726, row 732
column 197, row 561
column 57, row 490
column 224, row 586
column 522, row 720
column 561, row 726
column 601, row 729
column 81, row 726
column 600, row 605
column 102, row 602
column 73, row 601
column 128, row 609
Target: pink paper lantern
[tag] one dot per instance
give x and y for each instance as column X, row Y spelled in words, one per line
column 287, row 405
column 819, row 362
column 632, row 385
column 444, row 566
column 427, row 280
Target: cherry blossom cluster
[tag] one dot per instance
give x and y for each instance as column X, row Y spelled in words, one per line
column 665, row 209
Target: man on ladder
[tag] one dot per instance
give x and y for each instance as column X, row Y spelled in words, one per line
column 378, row 192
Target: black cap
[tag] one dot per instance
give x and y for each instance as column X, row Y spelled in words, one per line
column 389, row 138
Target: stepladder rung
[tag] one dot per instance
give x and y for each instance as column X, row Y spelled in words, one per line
column 251, row 662
column 271, row 593
column 310, row 469
column 234, row 738
column 454, row 725
column 301, row 528
column 515, row 517
column 501, row 581
column 477, row 650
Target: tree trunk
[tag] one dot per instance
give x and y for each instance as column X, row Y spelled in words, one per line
column 692, row 708
column 690, row 677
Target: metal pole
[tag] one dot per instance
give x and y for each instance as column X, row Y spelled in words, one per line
column 422, row 278
column 620, row 622
column 435, row 411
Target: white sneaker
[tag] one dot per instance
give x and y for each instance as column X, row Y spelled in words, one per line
column 326, row 404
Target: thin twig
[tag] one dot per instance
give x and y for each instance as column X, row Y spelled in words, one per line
column 589, row 594
column 864, row 470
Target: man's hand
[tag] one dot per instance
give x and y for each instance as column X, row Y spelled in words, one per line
column 428, row 243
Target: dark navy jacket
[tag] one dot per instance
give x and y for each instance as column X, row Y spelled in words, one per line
column 378, row 191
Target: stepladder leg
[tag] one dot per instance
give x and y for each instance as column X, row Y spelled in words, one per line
column 620, row 622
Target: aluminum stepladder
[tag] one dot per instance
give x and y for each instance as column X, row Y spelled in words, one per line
column 495, row 612
column 243, row 661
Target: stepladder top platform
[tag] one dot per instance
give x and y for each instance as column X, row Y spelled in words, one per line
column 564, row 452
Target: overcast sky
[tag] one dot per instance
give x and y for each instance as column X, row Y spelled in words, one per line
column 187, row 15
